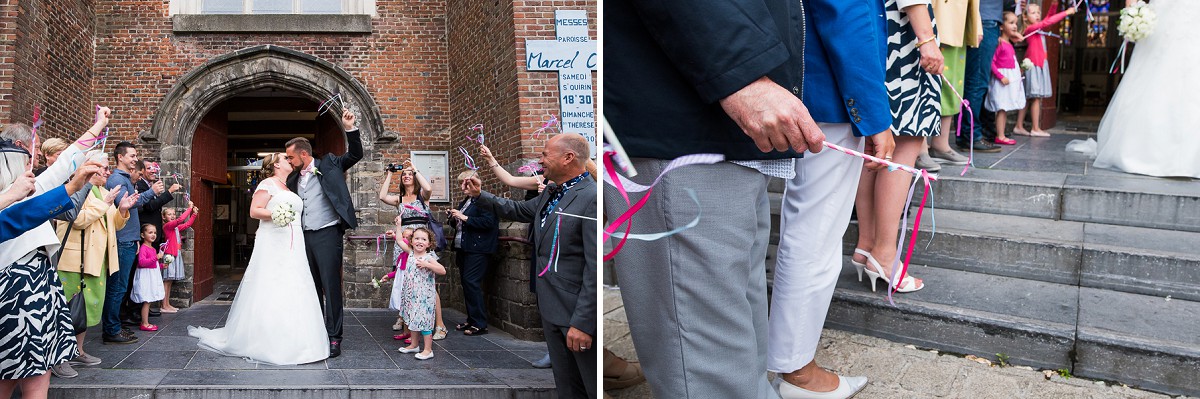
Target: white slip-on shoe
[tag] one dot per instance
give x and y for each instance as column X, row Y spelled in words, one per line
column 847, row 387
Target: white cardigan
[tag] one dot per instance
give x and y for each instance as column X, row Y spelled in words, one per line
column 43, row 235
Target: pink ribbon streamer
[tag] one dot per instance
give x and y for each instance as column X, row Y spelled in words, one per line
column 966, row 105
column 555, row 250
column 477, row 128
column 549, row 122
column 625, row 186
column 531, row 167
column 33, row 147
column 468, row 161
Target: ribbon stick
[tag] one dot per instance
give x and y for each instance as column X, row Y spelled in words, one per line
column 553, row 120
column 33, row 147
column 554, row 250
column 335, row 99
column 966, row 105
column 477, row 128
column 468, row 161
column 891, row 165
column 612, row 144
column 1120, row 58
column 531, row 167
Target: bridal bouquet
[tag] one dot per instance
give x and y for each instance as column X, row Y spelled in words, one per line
column 1137, row 22
column 1026, row 64
column 167, row 259
column 283, row 214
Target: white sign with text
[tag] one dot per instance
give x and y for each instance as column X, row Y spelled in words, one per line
column 573, row 55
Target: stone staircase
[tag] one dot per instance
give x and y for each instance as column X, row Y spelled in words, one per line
column 1098, row 274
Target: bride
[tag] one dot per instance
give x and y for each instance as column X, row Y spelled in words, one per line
column 275, row 318
column 1150, row 127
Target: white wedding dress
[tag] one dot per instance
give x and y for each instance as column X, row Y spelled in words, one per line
column 275, row 318
column 1152, row 125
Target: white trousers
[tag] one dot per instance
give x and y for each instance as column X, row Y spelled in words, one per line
column 815, row 213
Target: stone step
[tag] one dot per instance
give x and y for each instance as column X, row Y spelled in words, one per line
column 964, row 312
column 1151, row 342
column 1128, row 259
column 1139, row 340
column 1110, row 199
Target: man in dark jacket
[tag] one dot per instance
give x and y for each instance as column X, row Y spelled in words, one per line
column 151, row 212
column 476, row 236
column 720, row 77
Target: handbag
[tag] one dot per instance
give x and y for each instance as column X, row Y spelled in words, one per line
column 77, row 305
column 434, row 225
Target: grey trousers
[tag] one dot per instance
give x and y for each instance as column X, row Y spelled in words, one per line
column 697, row 301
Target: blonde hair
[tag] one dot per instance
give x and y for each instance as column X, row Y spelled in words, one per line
column 52, row 145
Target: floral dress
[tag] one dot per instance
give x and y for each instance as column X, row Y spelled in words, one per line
column 420, row 293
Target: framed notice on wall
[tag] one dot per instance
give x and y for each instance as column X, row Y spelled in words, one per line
column 435, row 166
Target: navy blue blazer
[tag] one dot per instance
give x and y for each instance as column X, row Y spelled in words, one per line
column 845, row 60
column 481, row 231
column 23, row 216
column 668, row 63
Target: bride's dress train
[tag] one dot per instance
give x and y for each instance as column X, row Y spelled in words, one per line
column 1152, row 125
column 275, row 317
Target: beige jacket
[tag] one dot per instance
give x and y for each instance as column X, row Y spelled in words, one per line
column 958, row 21
column 94, row 236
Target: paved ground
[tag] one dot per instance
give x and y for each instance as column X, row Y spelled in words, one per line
column 901, row 371
column 169, row 361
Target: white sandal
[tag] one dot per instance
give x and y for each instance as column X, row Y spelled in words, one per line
column 858, row 265
column 907, row 284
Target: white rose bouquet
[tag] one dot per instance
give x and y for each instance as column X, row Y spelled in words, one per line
column 167, row 259
column 283, row 214
column 1026, row 64
column 1137, row 22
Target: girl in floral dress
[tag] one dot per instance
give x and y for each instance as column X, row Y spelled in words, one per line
column 419, row 292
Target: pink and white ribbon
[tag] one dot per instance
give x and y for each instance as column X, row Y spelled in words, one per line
column 625, row 186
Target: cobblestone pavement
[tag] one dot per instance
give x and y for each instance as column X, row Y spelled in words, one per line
column 901, row 371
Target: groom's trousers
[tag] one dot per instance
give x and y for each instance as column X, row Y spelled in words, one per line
column 813, row 219
column 697, row 300
column 324, row 250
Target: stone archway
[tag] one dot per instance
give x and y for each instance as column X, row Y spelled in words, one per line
column 200, row 91
column 266, row 66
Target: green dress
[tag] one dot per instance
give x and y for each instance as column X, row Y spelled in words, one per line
column 93, row 294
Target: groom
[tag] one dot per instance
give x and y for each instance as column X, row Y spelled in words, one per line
column 328, row 212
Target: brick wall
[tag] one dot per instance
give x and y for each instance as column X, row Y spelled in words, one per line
column 46, row 51
column 402, row 63
column 489, row 85
column 534, row 20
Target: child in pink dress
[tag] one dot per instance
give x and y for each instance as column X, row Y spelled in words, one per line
column 147, row 282
column 1005, row 93
column 1037, row 81
column 172, row 244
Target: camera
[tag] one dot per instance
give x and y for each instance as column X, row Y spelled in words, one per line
column 394, row 167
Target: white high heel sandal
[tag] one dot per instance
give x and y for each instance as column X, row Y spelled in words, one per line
column 858, row 265
column 907, row 284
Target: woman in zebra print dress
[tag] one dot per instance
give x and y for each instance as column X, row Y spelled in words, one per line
column 35, row 324
column 914, row 66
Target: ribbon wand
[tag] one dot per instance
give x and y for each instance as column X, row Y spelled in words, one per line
column 619, row 156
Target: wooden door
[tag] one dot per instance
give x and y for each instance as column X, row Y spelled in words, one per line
column 209, row 158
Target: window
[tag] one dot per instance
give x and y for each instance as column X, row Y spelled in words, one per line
column 273, row 7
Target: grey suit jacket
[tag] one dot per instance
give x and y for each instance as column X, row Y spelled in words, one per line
column 566, row 297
